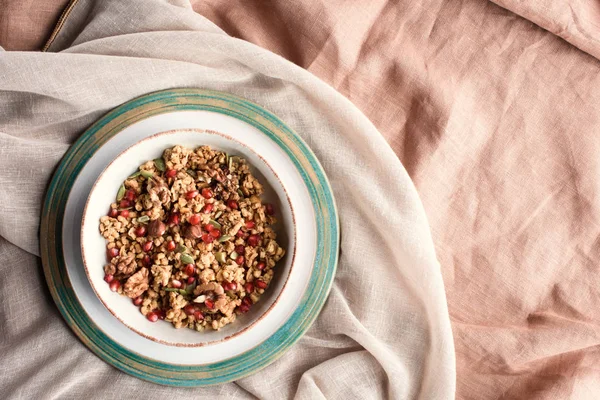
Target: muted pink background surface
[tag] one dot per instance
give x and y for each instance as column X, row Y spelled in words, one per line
column 494, row 111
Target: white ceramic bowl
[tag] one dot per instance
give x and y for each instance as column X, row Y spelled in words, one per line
column 279, row 178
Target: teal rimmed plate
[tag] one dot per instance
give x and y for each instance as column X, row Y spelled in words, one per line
column 193, row 116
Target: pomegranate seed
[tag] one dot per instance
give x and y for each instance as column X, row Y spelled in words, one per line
column 176, row 283
column 240, row 234
column 239, row 260
column 249, row 224
column 209, row 227
column 247, row 301
column 147, row 261
column 189, row 309
column 108, row 278
column 261, row 265
column 249, row 287
column 194, row 219
column 190, row 269
column 198, row 315
column 130, row 195
column 191, row 280
column 124, row 203
column 215, row 233
column 269, row 209
column 209, row 303
column 191, row 194
column 206, row 238
column 232, row 286
column 160, row 313
column 232, row 204
column 173, row 219
column 239, row 249
column 152, row 316
column 112, row 212
column 207, row 208
column 261, row 284
column 112, row 253
column 138, row 301
column 147, row 246
column 253, row 240
column 124, row 213
column 170, row 173
column 207, row 193
column 140, row 231
column 171, row 245
column 114, row 285
column 244, row 308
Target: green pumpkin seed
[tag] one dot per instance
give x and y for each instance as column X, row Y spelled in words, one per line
column 135, row 175
column 186, row 258
column 143, row 218
column 185, row 292
column 233, row 255
column 160, row 164
column 218, row 214
column 147, row 174
column 121, row 193
column 224, row 238
column 190, row 288
column 191, row 173
column 220, row 257
column 239, row 191
column 171, row 290
column 215, row 224
column 229, row 162
column 181, row 249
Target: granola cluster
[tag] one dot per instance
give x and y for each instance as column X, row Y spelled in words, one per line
column 189, row 239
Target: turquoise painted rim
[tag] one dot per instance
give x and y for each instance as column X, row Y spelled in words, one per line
column 321, row 278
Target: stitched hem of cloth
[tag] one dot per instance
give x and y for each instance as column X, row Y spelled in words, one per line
column 59, row 24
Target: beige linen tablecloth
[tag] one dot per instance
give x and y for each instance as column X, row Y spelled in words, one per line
column 385, row 330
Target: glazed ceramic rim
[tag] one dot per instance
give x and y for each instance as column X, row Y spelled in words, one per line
column 321, row 278
column 286, row 199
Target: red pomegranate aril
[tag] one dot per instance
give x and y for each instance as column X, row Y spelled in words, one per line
column 239, row 249
column 108, row 278
column 114, row 285
column 249, row 287
column 207, row 193
column 152, row 316
column 261, row 265
column 191, row 280
column 147, row 246
column 190, row 269
column 232, row 204
column 173, row 219
column 160, row 313
column 138, row 301
column 239, row 260
column 207, row 208
column 253, row 240
column 240, row 233
column 189, row 309
column 232, row 286
column 140, row 231
column 191, row 194
column 112, row 253
column 147, row 261
column 209, row 303
column 247, row 301
column 124, row 213
column 198, row 315
column 176, row 283
column 269, row 209
column 130, row 195
column 250, row 224
column 244, row 308
column 113, row 212
column 261, row 284
column 209, row 227
column 215, row 233
column 194, row 219
column 171, row 245
column 206, row 238
column 170, row 173
column 124, row 203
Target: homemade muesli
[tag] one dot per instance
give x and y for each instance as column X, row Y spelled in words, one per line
column 189, row 239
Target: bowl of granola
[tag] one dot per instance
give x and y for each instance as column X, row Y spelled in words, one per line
column 189, row 238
